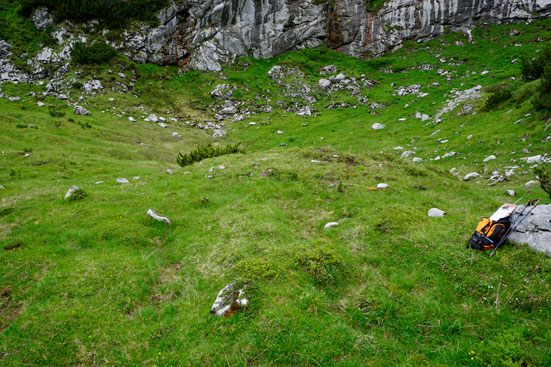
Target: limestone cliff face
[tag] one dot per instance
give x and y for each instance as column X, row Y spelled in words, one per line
column 205, row 34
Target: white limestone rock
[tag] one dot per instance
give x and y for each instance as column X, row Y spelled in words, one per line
column 436, row 213
column 157, row 217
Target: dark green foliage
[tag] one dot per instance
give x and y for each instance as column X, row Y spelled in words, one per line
column 112, row 13
column 373, row 6
column 97, row 53
column 533, row 69
column 497, row 98
column 77, row 195
column 543, row 99
column 55, row 112
column 545, row 179
column 207, row 151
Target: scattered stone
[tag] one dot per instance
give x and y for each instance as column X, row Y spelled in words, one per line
column 136, row 178
column 218, row 133
column 485, row 72
column 407, row 153
column 41, row 18
column 417, row 160
column 99, row 182
column 382, row 186
column 176, row 135
column 169, row 171
column 453, row 171
column 378, row 126
column 78, row 110
column 324, row 84
column 280, row 132
column 436, row 213
column 330, row 225
column 531, row 183
column 92, row 86
column 153, row 118
column 40, row 104
column 163, row 125
column 511, row 193
column 70, row 192
column 131, row 119
column 157, row 217
column 470, row 176
column 230, row 300
column 327, row 70
column 222, row 91
column 534, row 159
column 122, row 180
column 489, row 158
column 14, row 99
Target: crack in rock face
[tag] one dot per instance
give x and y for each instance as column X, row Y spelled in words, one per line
column 535, row 230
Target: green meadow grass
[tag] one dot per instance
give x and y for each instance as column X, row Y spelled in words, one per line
column 97, row 282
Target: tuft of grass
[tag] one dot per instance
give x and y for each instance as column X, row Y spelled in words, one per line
column 208, row 151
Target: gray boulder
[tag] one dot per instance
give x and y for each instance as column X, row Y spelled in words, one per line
column 41, row 18
column 230, row 299
column 535, row 230
column 78, row 110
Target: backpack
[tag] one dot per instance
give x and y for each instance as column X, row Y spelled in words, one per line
column 488, row 233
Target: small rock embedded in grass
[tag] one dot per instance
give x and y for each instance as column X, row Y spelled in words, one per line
column 157, row 217
column 531, row 183
column 511, row 193
column 230, row 299
column 417, row 160
column 470, row 176
column 163, row 125
column 78, row 110
column 407, row 153
column 122, row 180
column 534, row 159
column 40, row 104
column 131, row 119
column 378, row 126
column 330, row 225
column 153, row 118
column 74, row 194
column 436, row 213
column 489, row 158
column 169, row 171
column 382, row 186
column 70, row 192
column 136, row 178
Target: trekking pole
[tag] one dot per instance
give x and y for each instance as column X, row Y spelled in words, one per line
column 515, row 224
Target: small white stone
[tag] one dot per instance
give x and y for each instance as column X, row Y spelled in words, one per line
column 122, row 180
column 169, row 171
column 163, row 125
column 40, row 104
column 470, row 176
column 99, row 182
column 417, row 160
column 531, row 183
column 153, row 118
column 436, row 213
column 157, row 217
column 378, row 126
column 489, row 158
column 280, row 132
column 511, row 193
column 132, row 119
column 382, row 186
column 331, row 224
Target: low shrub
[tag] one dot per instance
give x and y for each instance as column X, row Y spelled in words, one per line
column 543, row 98
column 97, row 53
column 256, row 269
column 532, row 69
column 55, row 112
column 207, row 151
column 111, row 13
column 497, row 98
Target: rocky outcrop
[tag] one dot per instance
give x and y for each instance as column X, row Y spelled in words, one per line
column 401, row 20
column 535, row 230
column 206, row 34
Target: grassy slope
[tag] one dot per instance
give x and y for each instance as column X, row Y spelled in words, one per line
column 95, row 282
